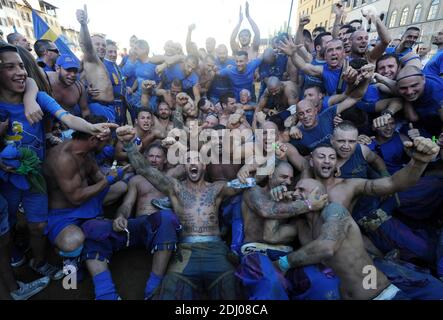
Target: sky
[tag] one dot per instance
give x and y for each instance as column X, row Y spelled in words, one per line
column 160, row 20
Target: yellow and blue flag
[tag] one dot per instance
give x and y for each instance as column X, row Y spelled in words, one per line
column 43, row 31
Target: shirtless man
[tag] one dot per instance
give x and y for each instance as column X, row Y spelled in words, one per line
column 258, row 249
column 333, row 237
column 94, row 70
column 278, row 96
column 66, row 90
column 244, row 36
column 77, row 190
column 161, row 240
column 196, row 204
column 163, row 122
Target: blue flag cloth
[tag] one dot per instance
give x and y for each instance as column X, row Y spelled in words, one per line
column 42, row 31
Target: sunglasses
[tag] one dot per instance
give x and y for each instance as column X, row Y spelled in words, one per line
column 54, row 50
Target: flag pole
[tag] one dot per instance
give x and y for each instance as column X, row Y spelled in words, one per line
column 290, row 15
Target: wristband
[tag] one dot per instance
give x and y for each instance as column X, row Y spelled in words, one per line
column 283, row 263
column 111, row 180
column 385, row 112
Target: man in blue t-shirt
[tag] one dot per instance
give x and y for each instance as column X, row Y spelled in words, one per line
column 185, row 72
column 425, row 93
column 220, row 85
column 317, row 128
column 242, row 76
column 435, row 64
column 274, row 65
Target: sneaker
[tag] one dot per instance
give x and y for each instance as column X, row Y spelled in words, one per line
column 27, row 290
column 47, row 270
column 18, row 257
column 162, row 204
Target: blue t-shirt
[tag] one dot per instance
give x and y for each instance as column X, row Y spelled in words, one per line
column 277, row 69
column 21, row 132
column 309, row 80
column 369, row 100
column 431, row 100
column 435, row 65
column 242, row 80
column 128, row 71
column 220, row 85
column 321, row 133
column 116, row 78
column 331, row 79
column 175, row 72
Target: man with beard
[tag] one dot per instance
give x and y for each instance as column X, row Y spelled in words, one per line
column 332, row 236
column 260, row 248
column 67, row 91
column 200, row 265
column 163, row 122
column 278, row 96
column 244, row 36
column 153, row 229
column 435, row 64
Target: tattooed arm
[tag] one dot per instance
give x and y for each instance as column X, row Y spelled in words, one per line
column 333, row 232
column 158, row 179
column 177, row 118
column 423, row 151
column 262, row 204
column 275, row 232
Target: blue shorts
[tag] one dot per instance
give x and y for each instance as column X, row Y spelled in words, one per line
column 59, row 219
column 34, row 204
column 4, row 224
column 100, row 109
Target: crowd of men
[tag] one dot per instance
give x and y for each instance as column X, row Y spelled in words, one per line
column 351, row 128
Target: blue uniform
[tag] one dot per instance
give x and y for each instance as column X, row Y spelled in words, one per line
column 119, row 88
column 375, row 217
column 277, row 69
column 435, row 65
column 220, row 85
column 175, row 72
column 429, row 104
column 242, row 80
column 321, row 133
column 128, row 71
column 420, row 201
column 23, row 135
column 331, row 79
column 144, row 71
column 309, row 80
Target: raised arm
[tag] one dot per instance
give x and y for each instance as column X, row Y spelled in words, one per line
column 302, row 22
column 88, row 50
column 159, row 180
column 256, row 40
column 423, row 151
column 191, row 47
column 384, row 36
column 339, row 12
column 290, row 49
column 234, row 45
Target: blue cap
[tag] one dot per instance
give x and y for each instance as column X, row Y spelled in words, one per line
column 67, row 62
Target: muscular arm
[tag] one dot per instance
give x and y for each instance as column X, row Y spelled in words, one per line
column 256, row 40
column 353, row 96
column 276, row 233
column 88, row 50
column 265, row 207
column 159, row 180
column 315, row 71
column 291, row 93
column 83, row 103
column 69, row 180
column 233, row 41
column 385, row 39
column 177, row 118
column 374, row 160
column 332, row 234
column 128, row 202
column 263, row 101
